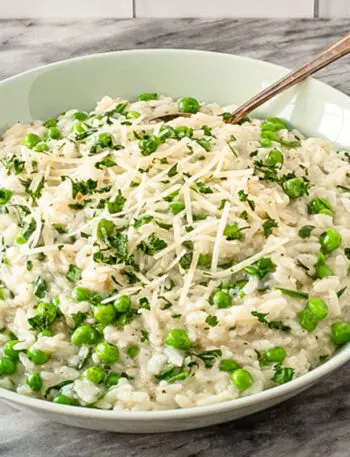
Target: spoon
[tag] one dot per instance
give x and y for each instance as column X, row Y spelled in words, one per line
column 321, row 60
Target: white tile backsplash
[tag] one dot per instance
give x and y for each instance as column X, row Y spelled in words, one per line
column 224, row 8
column 66, row 9
column 334, row 8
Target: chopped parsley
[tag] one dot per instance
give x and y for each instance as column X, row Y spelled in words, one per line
column 211, row 320
column 203, row 188
column 305, row 231
column 261, row 268
column 243, row 196
column 275, row 325
column 144, row 336
column 146, row 219
column 40, row 287
column 172, row 171
column 268, row 226
column 282, row 375
column 153, row 245
column 74, row 273
column 208, row 357
column 293, row 293
column 116, row 205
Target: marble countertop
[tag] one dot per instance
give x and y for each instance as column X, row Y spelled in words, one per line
column 313, row 424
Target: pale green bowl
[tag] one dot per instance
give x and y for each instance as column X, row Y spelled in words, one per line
column 313, row 108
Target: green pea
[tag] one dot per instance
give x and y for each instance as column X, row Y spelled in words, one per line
column 188, row 105
column 268, row 134
column 340, row 333
column 94, row 374
column 35, row 382
column 318, row 308
column 132, row 351
column 307, row 320
column 105, row 139
column 105, row 314
column 64, row 400
column 122, row 304
column 10, row 351
column 37, row 356
column 242, row 379
column 320, row 205
column 50, row 123
column 41, row 147
column 273, row 123
column 79, row 128
column 176, row 207
column 132, row 115
column 330, row 240
column 274, row 158
column 222, row 299
column 204, row 260
column 107, row 353
column 7, row 365
column 85, row 334
column 265, row 143
column 146, row 97
column 295, row 187
column 105, row 229
column 165, row 132
column 112, row 379
column 228, row 365
column 5, row 196
column 53, row 133
column 80, row 116
column 47, row 312
column 276, row 354
column 322, row 270
column 149, row 145
column 178, row 339
column 30, row 140
column 82, row 294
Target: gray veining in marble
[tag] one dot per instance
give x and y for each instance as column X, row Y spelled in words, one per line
column 314, row 424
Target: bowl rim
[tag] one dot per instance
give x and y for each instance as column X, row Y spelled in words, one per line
column 302, row 382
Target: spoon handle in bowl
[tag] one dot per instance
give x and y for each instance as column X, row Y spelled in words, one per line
column 321, row 60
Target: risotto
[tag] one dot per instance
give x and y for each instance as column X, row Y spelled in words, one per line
column 157, row 265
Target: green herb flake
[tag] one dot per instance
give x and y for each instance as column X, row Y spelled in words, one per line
column 261, row 268
column 144, row 336
column 203, row 188
column 74, row 273
column 282, row 375
column 40, row 288
column 208, row 357
column 153, row 245
column 172, row 171
column 293, row 293
column 268, row 227
column 243, row 196
column 305, row 231
column 212, row 320
column 146, row 219
column 275, row 325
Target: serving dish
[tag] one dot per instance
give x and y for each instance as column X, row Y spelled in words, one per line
column 313, row 108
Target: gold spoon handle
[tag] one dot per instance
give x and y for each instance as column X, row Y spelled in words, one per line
column 321, row 60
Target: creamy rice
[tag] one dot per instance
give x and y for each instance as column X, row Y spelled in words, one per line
column 175, row 221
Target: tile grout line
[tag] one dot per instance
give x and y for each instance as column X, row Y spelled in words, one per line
column 316, row 9
column 133, row 8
